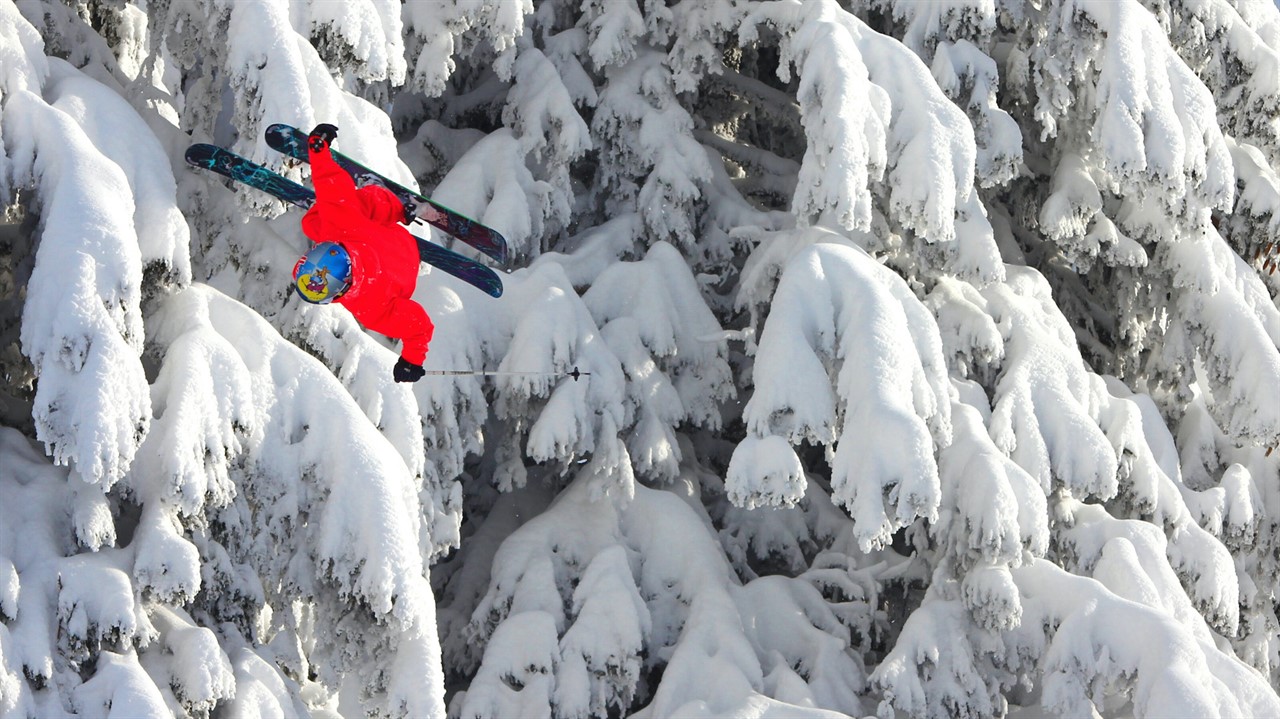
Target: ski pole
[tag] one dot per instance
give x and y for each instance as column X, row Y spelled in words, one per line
column 575, row 374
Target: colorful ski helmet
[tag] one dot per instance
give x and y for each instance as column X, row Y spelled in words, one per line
column 323, row 274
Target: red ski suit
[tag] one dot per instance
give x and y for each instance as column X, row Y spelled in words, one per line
column 384, row 256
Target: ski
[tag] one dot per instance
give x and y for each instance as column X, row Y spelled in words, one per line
column 293, row 142
column 245, row 171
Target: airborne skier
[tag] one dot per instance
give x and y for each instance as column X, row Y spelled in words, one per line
column 364, row 259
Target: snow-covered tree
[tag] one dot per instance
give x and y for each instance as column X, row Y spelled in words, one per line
column 924, row 362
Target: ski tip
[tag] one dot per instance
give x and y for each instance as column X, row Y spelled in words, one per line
column 201, row 155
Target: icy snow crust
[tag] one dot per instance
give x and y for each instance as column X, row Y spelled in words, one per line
column 927, row 369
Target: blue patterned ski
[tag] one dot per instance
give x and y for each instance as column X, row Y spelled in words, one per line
column 245, row 171
column 293, row 142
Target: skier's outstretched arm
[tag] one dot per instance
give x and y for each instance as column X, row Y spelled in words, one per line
column 332, row 183
column 334, row 187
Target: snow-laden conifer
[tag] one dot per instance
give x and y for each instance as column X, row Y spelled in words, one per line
column 875, row 357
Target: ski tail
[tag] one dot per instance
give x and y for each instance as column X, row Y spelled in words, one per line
column 247, row 172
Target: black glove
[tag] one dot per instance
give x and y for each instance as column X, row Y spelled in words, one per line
column 322, row 136
column 406, row 371
column 410, row 213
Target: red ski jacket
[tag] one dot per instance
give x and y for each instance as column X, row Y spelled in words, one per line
column 384, row 256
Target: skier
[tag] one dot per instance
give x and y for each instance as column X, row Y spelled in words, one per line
column 364, row 259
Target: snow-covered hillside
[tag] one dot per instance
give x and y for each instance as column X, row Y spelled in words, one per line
column 929, row 350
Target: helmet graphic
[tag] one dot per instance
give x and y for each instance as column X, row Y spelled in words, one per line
column 323, row 274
